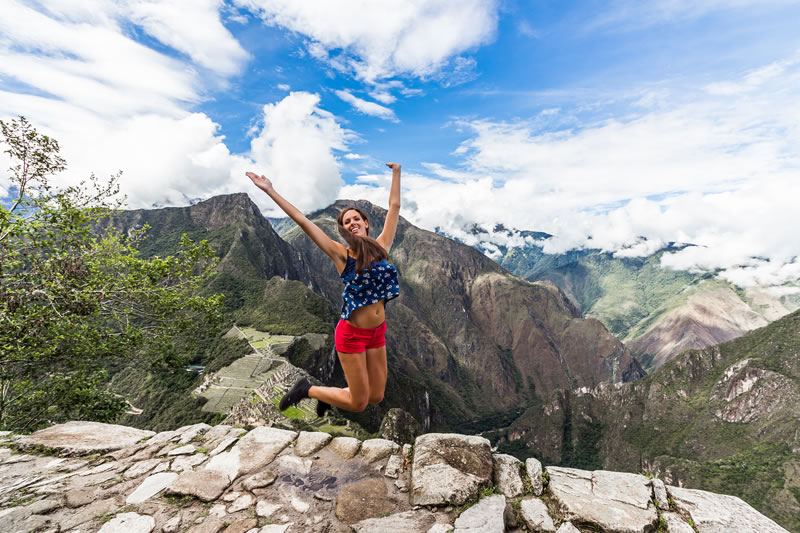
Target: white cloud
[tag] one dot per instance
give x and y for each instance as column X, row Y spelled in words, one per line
column 367, row 107
column 114, row 103
column 295, row 150
column 384, row 38
column 718, row 171
column 284, row 87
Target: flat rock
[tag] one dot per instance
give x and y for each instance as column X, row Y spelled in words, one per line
column 172, row 525
column 183, row 450
column 506, row 475
column 241, row 503
column 257, row 481
column 129, row 523
column 94, row 509
column 182, row 464
column 535, row 516
column 419, row 521
column 614, row 501
column 211, row 524
column 150, row 487
column 345, row 447
column 533, row 467
column 309, row 442
column 676, row 524
column 363, row 499
column 486, row 516
column 376, row 449
column 275, row 528
column 266, row 509
column 207, row 485
column 567, row 527
column 83, row 438
column 80, row 497
column 242, row 526
column 253, row 451
column 223, row 445
column 141, row 468
column 440, row 528
column 718, row 513
column 395, row 466
column 449, row 468
column 190, row 432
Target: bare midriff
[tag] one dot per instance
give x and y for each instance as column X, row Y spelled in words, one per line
column 369, row 316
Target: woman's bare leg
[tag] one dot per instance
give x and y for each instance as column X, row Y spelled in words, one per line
column 377, row 371
column 356, row 396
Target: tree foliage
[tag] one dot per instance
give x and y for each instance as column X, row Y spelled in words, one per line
column 76, row 297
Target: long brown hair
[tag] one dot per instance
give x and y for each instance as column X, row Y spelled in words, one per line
column 366, row 249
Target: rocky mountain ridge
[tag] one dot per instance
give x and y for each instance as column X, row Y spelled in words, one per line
column 84, row 476
column 657, row 312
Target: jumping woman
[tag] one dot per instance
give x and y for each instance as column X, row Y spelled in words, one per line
column 369, row 282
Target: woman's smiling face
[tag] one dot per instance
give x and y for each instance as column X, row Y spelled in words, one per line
column 353, row 222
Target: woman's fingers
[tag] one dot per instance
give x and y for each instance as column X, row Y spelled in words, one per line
column 393, row 166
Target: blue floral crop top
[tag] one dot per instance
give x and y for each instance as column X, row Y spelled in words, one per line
column 377, row 282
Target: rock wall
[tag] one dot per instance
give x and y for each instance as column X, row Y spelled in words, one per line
column 85, row 476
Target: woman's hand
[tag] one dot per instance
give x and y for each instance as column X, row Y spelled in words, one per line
column 394, row 166
column 262, row 182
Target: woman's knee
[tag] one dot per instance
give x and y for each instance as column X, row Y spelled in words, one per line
column 358, row 405
column 376, row 397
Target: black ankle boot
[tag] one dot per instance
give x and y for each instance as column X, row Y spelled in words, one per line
column 298, row 391
column 322, row 408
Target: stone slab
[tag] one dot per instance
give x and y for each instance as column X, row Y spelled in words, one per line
column 376, row 449
column 506, row 475
column 207, row 485
column 486, row 516
column 151, row 486
column 535, row 516
column 83, row 438
column 129, row 523
column 449, row 468
column 309, row 442
column 718, row 513
column 419, row 521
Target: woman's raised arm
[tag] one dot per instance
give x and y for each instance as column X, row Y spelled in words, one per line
column 386, row 238
column 332, row 249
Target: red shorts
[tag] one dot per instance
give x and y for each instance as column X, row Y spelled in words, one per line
column 350, row 339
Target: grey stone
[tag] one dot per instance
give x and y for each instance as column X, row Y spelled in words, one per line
column 535, row 516
column 376, row 449
column 82, row 438
column 190, row 432
column 242, row 526
column 486, row 516
column 419, row 521
column 363, row 499
column 291, row 463
column 660, row 494
column 399, row 426
column 253, row 451
column 183, row 450
column 150, row 487
column 141, row 468
column 89, row 512
column 210, row 524
column 163, row 437
column 614, row 501
column 567, row 527
column 43, row 506
column 275, row 528
column 181, row 464
column 675, row 523
column 309, row 442
column 218, row 510
column 172, row 525
column 79, row 497
column 440, row 528
column 717, row 513
column 395, row 466
column 129, row 523
column 299, row 505
column 257, row 481
column 207, row 485
column 345, row 447
column 241, row 503
column 534, row 469
column 266, row 509
column 506, row 475
column 449, row 469
column 223, row 445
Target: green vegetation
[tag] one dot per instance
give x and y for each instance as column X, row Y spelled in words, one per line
column 76, row 296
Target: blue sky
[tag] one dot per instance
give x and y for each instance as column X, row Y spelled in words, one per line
column 630, row 124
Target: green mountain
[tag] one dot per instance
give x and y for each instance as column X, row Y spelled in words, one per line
column 657, row 312
column 724, row 419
